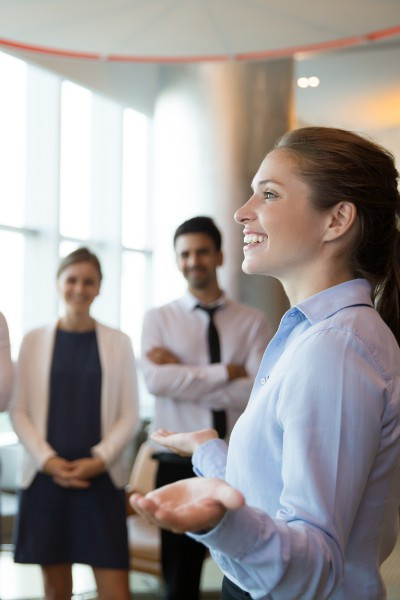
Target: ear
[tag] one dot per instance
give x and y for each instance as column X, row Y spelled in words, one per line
column 220, row 258
column 341, row 219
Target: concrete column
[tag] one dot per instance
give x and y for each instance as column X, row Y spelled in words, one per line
column 213, row 125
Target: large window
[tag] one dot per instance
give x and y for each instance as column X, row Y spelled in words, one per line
column 76, row 161
column 13, row 75
column 74, row 172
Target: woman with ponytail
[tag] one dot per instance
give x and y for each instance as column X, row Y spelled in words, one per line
column 304, row 502
column 337, row 165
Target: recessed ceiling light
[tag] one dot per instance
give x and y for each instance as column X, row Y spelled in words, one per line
column 302, row 82
column 313, row 81
column 305, row 82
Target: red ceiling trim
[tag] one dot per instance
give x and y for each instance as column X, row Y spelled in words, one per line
column 317, row 47
column 50, row 51
column 277, row 53
column 166, row 59
column 383, row 33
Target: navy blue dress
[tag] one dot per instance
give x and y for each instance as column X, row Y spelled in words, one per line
column 64, row 525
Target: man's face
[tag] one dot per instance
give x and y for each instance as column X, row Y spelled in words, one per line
column 197, row 259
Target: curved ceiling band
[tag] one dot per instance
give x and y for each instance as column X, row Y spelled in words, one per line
column 372, row 36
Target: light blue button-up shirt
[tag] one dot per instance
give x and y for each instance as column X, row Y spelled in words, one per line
column 317, row 456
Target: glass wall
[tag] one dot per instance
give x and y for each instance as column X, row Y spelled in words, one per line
column 75, row 171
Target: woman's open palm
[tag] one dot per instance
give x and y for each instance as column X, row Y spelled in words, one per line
column 194, row 504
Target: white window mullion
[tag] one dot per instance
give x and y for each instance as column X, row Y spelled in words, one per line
column 106, row 204
column 42, row 196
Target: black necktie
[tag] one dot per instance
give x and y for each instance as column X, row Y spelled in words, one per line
column 219, row 416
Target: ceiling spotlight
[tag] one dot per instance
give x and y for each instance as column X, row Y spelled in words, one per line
column 313, row 81
column 305, row 82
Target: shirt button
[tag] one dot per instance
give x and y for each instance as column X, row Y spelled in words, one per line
column 263, row 380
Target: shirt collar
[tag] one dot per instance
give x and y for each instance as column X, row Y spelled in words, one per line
column 190, row 301
column 330, row 301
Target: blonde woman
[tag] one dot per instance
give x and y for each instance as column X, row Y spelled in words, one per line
column 75, row 410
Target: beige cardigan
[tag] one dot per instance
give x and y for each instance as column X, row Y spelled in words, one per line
column 119, row 400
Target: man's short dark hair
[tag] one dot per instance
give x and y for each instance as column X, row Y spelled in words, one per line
column 200, row 225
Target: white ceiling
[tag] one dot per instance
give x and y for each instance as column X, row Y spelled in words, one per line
column 359, row 72
column 191, row 29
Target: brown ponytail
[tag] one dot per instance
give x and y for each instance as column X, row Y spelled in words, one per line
column 386, row 294
column 339, row 165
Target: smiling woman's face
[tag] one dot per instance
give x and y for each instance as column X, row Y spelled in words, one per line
column 282, row 231
column 78, row 285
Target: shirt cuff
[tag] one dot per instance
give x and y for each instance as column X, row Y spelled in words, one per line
column 235, row 535
column 97, row 453
column 217, row 371
column 209, row 459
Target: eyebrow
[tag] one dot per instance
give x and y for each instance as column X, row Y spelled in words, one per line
column 264, row 181
column 200, row 249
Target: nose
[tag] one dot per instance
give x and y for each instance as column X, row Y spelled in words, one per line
column 79, row 287
column 246, row 212
column 193, row 259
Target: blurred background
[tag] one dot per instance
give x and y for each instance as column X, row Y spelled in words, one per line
column 119, row 119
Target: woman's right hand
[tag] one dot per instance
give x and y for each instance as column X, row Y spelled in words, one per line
column 60, row 470
column 194, row 504
column 56, row 466
column 183, row 444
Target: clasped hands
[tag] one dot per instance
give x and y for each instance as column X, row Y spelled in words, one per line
column 195, row 504
column 73, row 473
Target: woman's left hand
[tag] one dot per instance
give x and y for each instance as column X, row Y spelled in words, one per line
column 183, row 444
